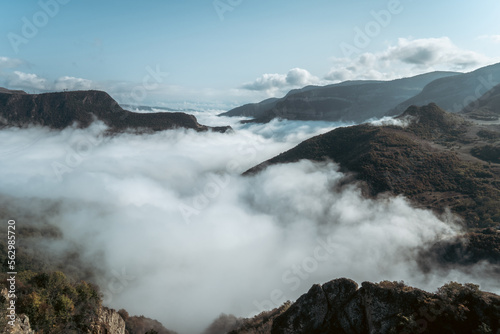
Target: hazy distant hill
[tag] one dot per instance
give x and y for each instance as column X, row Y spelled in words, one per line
column 60, row 110
column 454, row 93
column 253, row 109
column 149, row 108
column 348, row 101
column 9, row 91
column 486, row 108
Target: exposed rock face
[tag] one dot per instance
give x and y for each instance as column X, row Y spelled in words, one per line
column 109, row 322
column 340, row 307
column 314, row 307
column 60, row 110
column 141, row 324
column 22, row 322
column 260, row 324
column 348, row 101
column 21, row 326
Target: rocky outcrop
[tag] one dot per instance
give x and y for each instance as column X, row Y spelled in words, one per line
column 108, row 322
column 141, row 324
column 260, row 324
column 389, row 307
column 63, row 109
column 22, row 322
column 21, row 326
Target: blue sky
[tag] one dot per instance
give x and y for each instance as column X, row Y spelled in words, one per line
column 228, row 52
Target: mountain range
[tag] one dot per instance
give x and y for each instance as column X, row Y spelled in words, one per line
column 435, row 158
column 453, row 94
column 351, row 101
column 63, row 109
column 358, row 101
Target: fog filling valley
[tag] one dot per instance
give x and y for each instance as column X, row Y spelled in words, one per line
column 174, row 232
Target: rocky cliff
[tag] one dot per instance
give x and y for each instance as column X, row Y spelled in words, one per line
column 108, row 321
column 21, row 326
column 341, row 307
column 63, row 109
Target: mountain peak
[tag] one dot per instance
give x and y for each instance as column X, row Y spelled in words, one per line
column 430, row 121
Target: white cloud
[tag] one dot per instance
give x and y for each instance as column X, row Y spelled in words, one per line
column 408, row 57
column 430, row 52
column 27, row 81
column 72, row 83
column 6, row 62
column 492, row 38
column 32, row 81
column 272, row 83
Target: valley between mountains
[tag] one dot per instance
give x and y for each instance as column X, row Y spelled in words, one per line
column 404, row 175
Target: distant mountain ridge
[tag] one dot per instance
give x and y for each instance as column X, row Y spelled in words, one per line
column 150, row 108
column 62, row 109
column 454, row 93
column 354, row 101
column 486, row 108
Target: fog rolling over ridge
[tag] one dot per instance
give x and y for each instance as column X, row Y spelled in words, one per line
column 189, row 237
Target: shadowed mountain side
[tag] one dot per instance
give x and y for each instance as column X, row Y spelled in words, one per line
column 456, row 92
column 429, row 162
column 486, row 108
column 348, row 101
column 9, row 91
column 256, row 110
column 60, row 110
column 340, row 306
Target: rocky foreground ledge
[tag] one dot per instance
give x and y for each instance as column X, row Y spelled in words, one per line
column 63, row 109
column 340, row 306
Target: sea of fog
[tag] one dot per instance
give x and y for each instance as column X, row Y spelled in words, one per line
column 175, row 232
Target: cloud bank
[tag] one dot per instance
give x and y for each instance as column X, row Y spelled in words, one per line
column 406, row 58
column 175, row 233
column 72, row 83
column 490, row 38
